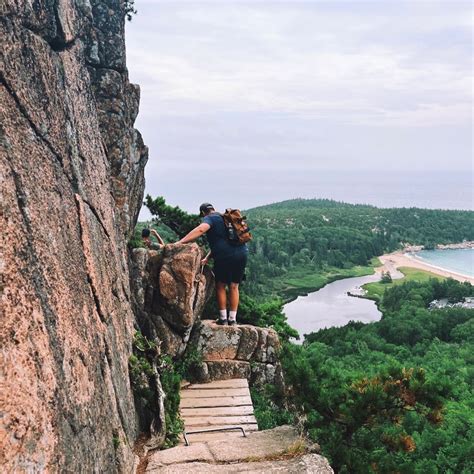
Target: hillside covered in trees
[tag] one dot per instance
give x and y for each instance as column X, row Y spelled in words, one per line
column 392, row 396
column 303, row 244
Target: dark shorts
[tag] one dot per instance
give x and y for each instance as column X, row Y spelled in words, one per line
column 231, row 269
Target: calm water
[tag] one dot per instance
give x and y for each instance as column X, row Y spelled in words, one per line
column 456, row 260
column 331, row 306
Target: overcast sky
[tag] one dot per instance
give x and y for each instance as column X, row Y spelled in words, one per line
column 245, row 103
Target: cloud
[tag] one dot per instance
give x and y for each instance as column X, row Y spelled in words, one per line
column 308, row 86
column 301, row 61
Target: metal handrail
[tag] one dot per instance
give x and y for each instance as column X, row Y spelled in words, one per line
column 212, row 430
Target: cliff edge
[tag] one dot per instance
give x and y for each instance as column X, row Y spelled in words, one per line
column 72, row 184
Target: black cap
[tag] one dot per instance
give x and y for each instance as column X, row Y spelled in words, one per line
column 204, row 208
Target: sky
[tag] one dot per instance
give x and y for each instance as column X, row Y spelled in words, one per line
column 247, row 103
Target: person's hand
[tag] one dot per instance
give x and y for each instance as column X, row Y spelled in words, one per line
column 204, row 261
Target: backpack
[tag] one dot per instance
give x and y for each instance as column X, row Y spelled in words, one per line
column 236, row 227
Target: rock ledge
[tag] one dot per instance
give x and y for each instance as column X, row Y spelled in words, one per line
column 278, row 450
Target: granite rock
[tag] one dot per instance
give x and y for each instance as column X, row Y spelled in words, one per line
column 240, row 351
column 170, row 292
column 69, row 199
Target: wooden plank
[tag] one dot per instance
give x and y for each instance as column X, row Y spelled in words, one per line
column 247, row 428
column 215, row 402
column 218, row 392
column 231, row 383
column 218, row 420
column 223, row 435
column 217, row 411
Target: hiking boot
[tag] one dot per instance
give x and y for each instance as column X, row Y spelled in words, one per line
column 221, row 322
column 232, row 322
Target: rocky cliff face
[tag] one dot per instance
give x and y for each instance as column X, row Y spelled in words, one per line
column 71, row 173
column 72, row 184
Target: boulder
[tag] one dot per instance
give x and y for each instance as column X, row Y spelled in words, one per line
column 183, row 286
column 170, row 292
column 240, row 351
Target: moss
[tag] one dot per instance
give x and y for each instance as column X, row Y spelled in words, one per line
column 171, row 384
column 144, row 364
column 141, row 368
column 190, row 364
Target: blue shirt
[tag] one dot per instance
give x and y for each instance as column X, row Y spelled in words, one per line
column 217, row 238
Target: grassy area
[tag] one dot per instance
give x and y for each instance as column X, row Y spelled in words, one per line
column 301, row 281
column 375, row 290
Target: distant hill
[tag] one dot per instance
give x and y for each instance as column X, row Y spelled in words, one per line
column 297, row 239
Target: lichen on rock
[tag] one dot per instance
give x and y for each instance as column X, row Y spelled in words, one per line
column 171, row 289
column 240, row 351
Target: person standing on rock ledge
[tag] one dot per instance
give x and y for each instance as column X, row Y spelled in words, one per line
column 229, row 260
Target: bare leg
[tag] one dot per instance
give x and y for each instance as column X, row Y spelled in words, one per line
column 234, row 296
column 221, row 295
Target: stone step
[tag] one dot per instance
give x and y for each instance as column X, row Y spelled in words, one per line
column 235, row 456
column 306, row 464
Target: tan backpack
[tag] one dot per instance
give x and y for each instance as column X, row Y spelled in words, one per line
column 236, row 227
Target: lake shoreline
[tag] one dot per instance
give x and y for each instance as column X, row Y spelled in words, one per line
column 391, row 262
column 292, row 294
column 331, row 306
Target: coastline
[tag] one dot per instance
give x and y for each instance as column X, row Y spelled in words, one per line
column 392, row 261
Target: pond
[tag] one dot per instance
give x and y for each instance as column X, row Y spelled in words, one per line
column 332, row 306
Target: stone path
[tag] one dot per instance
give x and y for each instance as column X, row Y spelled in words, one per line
column 219, row 404
column 278, row 450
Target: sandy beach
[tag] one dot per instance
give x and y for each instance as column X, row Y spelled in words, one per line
column 392, row 261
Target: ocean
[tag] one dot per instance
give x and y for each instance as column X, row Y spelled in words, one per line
column 188, row 186
column 456, row 260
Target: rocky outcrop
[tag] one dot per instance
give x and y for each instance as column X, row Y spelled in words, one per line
column 240, row 351
column 280, row 449
column 71, row 168
column 171, row 289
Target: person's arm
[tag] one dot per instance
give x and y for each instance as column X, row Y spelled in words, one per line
column 195, row 233
column 206, row 259
column 158, row 236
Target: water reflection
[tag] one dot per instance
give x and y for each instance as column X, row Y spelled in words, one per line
column 331, row 306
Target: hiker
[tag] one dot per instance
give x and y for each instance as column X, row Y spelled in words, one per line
column 230, row 260
column 147, row 239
